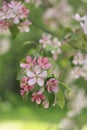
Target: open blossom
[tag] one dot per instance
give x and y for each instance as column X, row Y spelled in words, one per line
column 46, row 40
column 78, row 59
column 44, row 63
column 24, row 26
column 57, row 44
column 24, row 84
column 52, row 85
column 38, row 97
column 83, row 22
column 14, row 13
column 29, row 63
column 36, row 76
column 77, row 72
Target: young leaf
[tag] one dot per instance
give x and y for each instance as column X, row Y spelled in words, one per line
column 60, row 99
column 50, row 48
column 64, row 85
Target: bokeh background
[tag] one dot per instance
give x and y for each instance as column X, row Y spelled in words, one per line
column 17, row 114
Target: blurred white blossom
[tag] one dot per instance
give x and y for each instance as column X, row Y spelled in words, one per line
column 54, row 43
column 58, row 13
column 4, row 46
column 36, row 2
column 83, row 21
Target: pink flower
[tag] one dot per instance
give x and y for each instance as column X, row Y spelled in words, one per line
column 52, row 85
column 44, row 63
column 17, row 11
column 24, row 26
column 45, row 104
column 24, row 84
column 4, row 12
column 3, row 25
column 25, row 11
column 36, row 75
column 46, row 39
column 38, row 97
column 29, row 63
column 78, row 59
column 22, row 92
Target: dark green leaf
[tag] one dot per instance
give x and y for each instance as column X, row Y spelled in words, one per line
column 14, row 30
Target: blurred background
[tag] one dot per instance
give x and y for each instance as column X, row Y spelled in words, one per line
column 16, row 114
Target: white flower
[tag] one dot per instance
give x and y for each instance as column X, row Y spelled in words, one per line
column 77, row 72
column 78, row 59
column 36, row 76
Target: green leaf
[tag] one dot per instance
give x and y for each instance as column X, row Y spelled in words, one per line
column 14, row 30
column 29, row 42
column 50, row 48
column 65, row 86
column 60, row 99
column 51, row 98
column 21, row 74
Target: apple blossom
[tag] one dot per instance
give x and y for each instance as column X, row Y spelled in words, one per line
column 78, row 59
column 14, row 13
column 38, row 97
column 36, row 76
column 29, row 63
column 47, row 40
column 44, row 63
column 83, row 22
column 52, row 85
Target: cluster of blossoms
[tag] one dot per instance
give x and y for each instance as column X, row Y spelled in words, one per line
column 55, row 44
column 58, row 13
column 80, row 69
column 14, row 13
column 83, row 22
column 36, row 2
column 36, row 80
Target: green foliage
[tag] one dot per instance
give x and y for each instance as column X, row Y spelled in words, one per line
column 60, row 99
column 14, row 31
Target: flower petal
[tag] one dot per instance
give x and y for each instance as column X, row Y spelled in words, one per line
column 43, row 74
column 40, row 81
column 32, row 81
column 30, row 74
column 37, row 69
column 38, row 100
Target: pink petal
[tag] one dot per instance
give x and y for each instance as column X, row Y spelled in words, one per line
column 46, row 104
column 40, row 81
column 24, row 65
column 37, row 69
column 28, row 59
column 38, row 100
column 32, row 81
column 30, row 74
column 47, row 66
column 49, row 89
column 43, row 74
column 54, row 89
